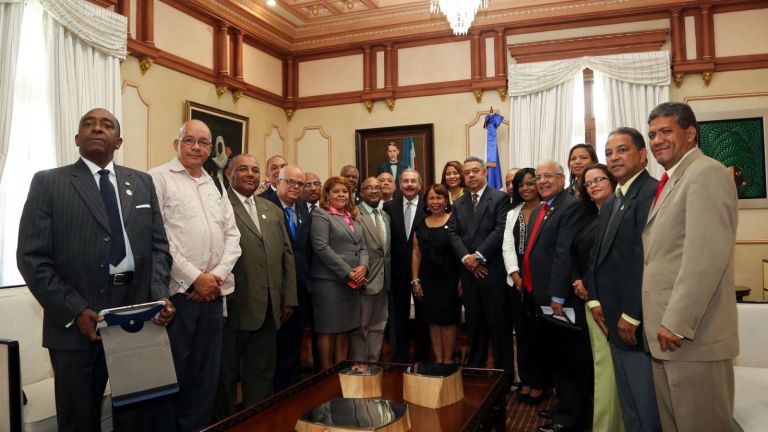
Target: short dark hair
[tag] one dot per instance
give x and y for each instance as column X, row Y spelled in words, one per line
column 590, row 206
column 517, row 181
column 682, row 113
column 634, row 135
column 588, row 148
column 441, row 190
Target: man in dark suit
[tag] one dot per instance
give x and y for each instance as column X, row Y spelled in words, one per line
column 265, row 292
column 352, row 174
column 405, row 215
column 91, row 237
column 615, row 285
column 476, row 230
column 547, row 270
column 274, row 165
column 298, row 224
column 393, row 165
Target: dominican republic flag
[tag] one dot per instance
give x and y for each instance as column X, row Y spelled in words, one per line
column 409, row 152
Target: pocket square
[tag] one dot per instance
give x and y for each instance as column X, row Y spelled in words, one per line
column 142, row 206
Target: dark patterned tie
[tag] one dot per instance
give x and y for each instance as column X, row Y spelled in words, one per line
column 312, row 207
column 379, row 224
column 618, row 200
column 117, row 248
column 474, row 203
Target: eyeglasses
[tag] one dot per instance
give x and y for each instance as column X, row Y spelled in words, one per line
column 191, row 141
column 294, row 183
column 372, row 188
column 315, row 184
column 548, row 176
column 597, row 180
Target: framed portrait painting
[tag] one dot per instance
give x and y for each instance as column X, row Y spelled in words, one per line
column 229, row 136
column 415, row 149
column 738, row 140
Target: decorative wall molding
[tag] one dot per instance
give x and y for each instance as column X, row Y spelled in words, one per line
column 312, row 165
column 147, row 147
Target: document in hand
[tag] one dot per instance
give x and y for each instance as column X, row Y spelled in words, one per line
column 566, row 320
column 138, row 354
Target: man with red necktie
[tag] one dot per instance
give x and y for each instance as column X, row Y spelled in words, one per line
column 547, row 272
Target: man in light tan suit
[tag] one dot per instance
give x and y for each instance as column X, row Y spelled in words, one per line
column 365, row 341
column 689, row 304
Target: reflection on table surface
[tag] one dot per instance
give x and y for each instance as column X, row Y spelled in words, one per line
column 355, row 413
column 484, row 396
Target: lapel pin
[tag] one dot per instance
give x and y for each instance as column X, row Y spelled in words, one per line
column 127, row 183
column 263, row 216
column 129, row 192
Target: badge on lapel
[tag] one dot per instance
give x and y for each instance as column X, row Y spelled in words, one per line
column 128, row 190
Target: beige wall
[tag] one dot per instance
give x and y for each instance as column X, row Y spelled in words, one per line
column 729, row 91
column 183, row 35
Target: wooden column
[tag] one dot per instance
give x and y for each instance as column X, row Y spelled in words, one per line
column 501, row 56
column 474, row 48
column 367, row 68
column 123, row 7
column 222, row 65
column 389, row 70
column 290, row 84
column 148, row 22
column 708, row 42
column 677, row 35
column 238, row 55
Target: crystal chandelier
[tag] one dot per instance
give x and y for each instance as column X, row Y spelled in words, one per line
column 460, row 13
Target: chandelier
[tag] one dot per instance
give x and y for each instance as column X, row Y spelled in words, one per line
column 460, row 13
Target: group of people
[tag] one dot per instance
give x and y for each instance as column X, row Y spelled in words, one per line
column 618, row 288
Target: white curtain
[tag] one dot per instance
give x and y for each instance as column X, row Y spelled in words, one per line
column 627, row 87
column 11, row 13
column 85, row 44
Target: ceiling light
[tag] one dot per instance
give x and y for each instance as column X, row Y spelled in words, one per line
column 460, row 13
column 272, row 3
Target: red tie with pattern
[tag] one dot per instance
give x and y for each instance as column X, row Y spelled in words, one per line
column 527, row 281
column 662, row 182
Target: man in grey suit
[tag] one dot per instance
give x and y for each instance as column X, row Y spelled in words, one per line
column 365, row 341
column 265, row 292
column 476, row 229
column 615, row 283
column 91, row 237
column 689, row 305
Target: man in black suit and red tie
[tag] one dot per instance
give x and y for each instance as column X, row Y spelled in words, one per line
column 547, row 267
column 476, row 229
column 91, row 237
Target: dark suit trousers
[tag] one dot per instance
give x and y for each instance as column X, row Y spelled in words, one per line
column 530, row 364
column 487, row 314
column 289, row 345
column 401, row 326
column 196, row 333
column 248, row 357
column 569, row 357
column 80, row 379
column 637, row 395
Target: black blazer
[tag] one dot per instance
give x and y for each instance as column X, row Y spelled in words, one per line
column 302, row 244
column 616, row 278
column 552, row 259
column 402, row 246
column 64, row 241
column 483, row 232
column 385, row 167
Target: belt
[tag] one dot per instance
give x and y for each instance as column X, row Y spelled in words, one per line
column 121, row 278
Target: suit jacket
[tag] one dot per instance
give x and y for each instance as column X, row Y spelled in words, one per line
column 385, row 167
column 616, row 279
column 266, row 267
column 688, row 284
column 551, row 257
column 402, row 245
column 379, row 260
column 302, row 243
column 337, row 249
column 482, row 232
column 64, row 241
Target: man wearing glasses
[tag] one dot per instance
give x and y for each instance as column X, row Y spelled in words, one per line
column 205, row 244
column 547, row 266
column 298, row 223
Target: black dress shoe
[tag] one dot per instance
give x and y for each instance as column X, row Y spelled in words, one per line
column 522, row 398
column 545, row 414
column 534, row 400
column 555, row 427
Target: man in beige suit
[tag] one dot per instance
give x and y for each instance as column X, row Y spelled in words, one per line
column 689, row 304
column 265, row 292
column 365, row 341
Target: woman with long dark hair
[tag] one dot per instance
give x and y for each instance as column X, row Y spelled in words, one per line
column 579, row 157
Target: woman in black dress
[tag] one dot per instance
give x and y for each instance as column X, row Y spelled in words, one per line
column 436, row 276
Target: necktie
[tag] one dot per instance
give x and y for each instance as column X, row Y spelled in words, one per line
column 379, row 224
column 250, row 206
column 474, row 203
column 527, row 280
column 660, row 188
column 617, row 202
column 291, row 223
column 408, row 219
column 312, row 207
column 117, row 247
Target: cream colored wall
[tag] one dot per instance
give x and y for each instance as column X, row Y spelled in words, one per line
column 729, row 91
column 165, row 91
column 183, row 35
column 741, row 33
column 434, row 63
column 331, row 75
column 262, row 70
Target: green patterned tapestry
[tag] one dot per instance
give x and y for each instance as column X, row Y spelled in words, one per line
column 740, row 145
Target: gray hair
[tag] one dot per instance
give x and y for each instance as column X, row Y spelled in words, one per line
column 475, row 159
column 558, row 166
column 411, row 170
